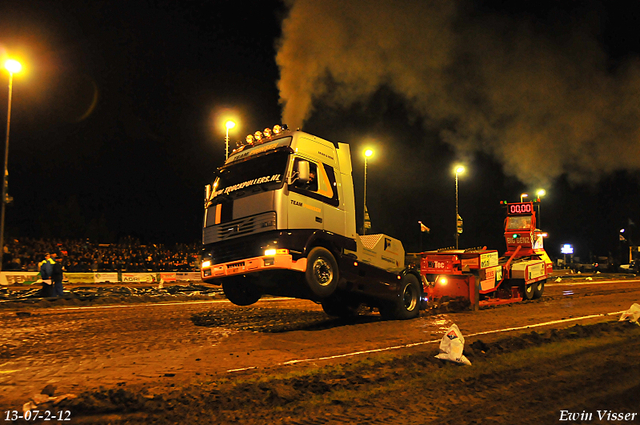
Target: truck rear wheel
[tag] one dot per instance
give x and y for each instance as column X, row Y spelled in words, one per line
column 527, row 291
column 322, row 272
column 240, row 290
column 538, row 289
column 407, row 304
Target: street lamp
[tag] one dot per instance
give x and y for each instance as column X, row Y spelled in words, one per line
column 368, row 153
column 459, row 170
column 522, row 196
column 540, row 193
column 229, row 125
column 13, row 67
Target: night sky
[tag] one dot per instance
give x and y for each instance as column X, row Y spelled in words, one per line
column 117, row 119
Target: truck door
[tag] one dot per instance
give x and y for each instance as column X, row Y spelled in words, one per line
column 308, row 203
column 305, row 212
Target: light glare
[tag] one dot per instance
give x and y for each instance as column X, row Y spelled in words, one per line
column 12, row 66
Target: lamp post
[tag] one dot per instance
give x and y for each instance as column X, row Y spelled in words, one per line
column 368, row 153
column 12, row 66
column 540, row 193
column 229, row 125
column 628, row 241
column 522, row 196
column 459, row 170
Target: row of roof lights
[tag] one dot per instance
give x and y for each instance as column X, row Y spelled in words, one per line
column 266, row 134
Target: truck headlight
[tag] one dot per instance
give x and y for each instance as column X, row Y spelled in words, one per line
column 272, row 251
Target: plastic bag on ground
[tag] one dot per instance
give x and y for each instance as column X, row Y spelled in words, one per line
column 452, row 347
column 632, row 315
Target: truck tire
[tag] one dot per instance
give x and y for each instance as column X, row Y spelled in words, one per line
column 527, row 291
column 240, row 290
column 340, row 307
column 322, row 272
column 407, row 304
column 538, row 289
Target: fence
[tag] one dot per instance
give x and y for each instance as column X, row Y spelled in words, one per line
column 29, row 278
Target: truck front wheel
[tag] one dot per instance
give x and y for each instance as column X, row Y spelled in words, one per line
column 240, row 290
column 322, row 272
column 407, row 304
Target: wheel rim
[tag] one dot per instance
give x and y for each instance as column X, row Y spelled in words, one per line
column 322, row 272
column 529, row 289
column 409, row 299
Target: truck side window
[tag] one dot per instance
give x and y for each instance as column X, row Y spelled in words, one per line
column 321, row 185
column 312, row 184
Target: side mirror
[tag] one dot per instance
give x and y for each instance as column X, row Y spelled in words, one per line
column 301, row 173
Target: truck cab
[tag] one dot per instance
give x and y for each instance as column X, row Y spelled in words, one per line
column 280, row 220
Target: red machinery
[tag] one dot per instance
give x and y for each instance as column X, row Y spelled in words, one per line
column 483, row 278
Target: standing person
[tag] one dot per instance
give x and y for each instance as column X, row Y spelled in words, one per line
column 46, row 268
column 56, row 276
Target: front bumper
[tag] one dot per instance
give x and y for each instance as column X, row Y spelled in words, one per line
column 253, row 265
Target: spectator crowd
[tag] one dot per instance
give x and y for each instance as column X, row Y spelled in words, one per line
column 129, row 255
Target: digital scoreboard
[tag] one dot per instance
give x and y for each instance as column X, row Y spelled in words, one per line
column 520, row 208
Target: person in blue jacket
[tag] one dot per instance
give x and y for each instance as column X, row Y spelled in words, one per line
column 46, row 269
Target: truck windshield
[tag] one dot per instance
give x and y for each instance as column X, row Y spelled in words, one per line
column 518, row 222
column 264, row 172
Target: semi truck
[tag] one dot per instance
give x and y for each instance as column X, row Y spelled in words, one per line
column 280, row 220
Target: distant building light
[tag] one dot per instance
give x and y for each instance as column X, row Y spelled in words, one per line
column 566, row 249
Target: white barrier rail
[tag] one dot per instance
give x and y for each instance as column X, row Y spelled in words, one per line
column 29, row 278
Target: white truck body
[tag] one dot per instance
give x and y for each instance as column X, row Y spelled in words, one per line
column 266, row 221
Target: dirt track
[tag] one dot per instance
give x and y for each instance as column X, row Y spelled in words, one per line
column 195, row 357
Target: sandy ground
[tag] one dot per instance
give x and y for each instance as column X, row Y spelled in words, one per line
column 212, row 362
